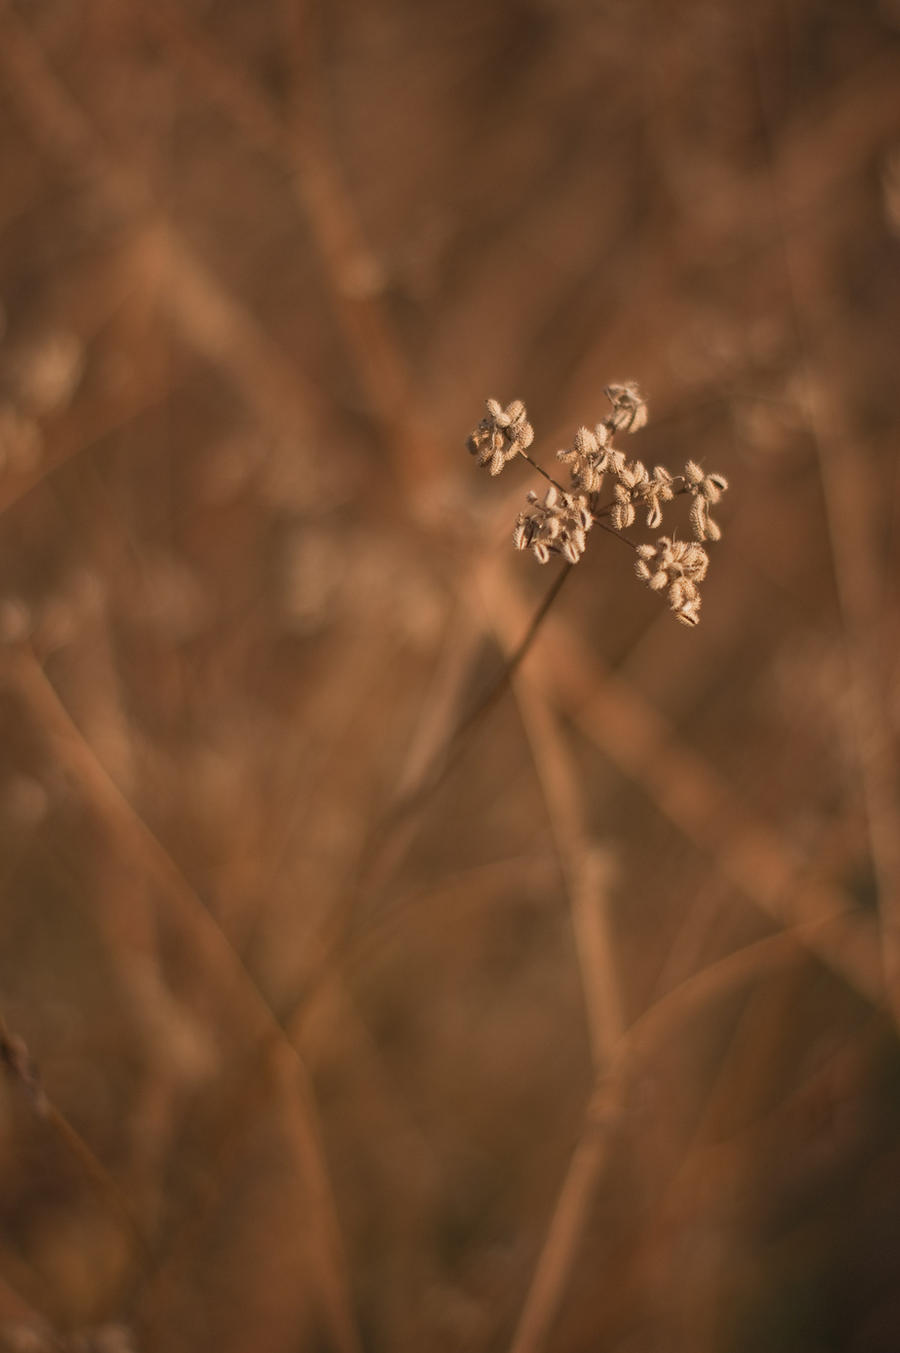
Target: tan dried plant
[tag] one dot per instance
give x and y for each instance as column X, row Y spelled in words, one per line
column 559, row 523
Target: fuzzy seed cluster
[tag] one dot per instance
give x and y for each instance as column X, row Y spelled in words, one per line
column 501, row 436
column 676, row 567
column 559, row 522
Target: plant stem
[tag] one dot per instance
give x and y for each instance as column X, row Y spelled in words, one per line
column 540, row 469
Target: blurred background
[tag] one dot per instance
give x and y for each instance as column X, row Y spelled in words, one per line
column 591, row 1044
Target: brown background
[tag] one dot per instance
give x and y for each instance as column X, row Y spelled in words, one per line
column 595, row 1049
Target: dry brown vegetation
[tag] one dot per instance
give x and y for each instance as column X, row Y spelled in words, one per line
column 590, row 1043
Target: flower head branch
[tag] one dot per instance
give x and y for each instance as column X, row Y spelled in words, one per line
column 559, row 523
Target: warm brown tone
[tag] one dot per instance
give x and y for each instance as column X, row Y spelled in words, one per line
column 582, row 1034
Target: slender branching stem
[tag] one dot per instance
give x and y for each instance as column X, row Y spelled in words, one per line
column 540, row 469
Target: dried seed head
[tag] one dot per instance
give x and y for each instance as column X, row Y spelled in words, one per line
column 500, row 436
column 647, row 568
column 558, row 525
column 690, row 613
column 590, row 458
column 629, row 412
column 585, row 443
column 633, row 474
column 622, row 513
column 654, row 492
column 678, row 566
column 641, row 489
column 705, row 489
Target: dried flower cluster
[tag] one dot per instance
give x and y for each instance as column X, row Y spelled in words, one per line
column 559, row 523
column 676, row 565
column 502, row 435
column 706, row 489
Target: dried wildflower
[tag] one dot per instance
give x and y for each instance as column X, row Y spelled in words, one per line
column 582, row 458
column 629, row 412
column 622, row 513
column 706, row 489
column 633, row 478
column 678, row 566
column 500, row 436
column 590, row 457
column 558, row 525
column 653, row 492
